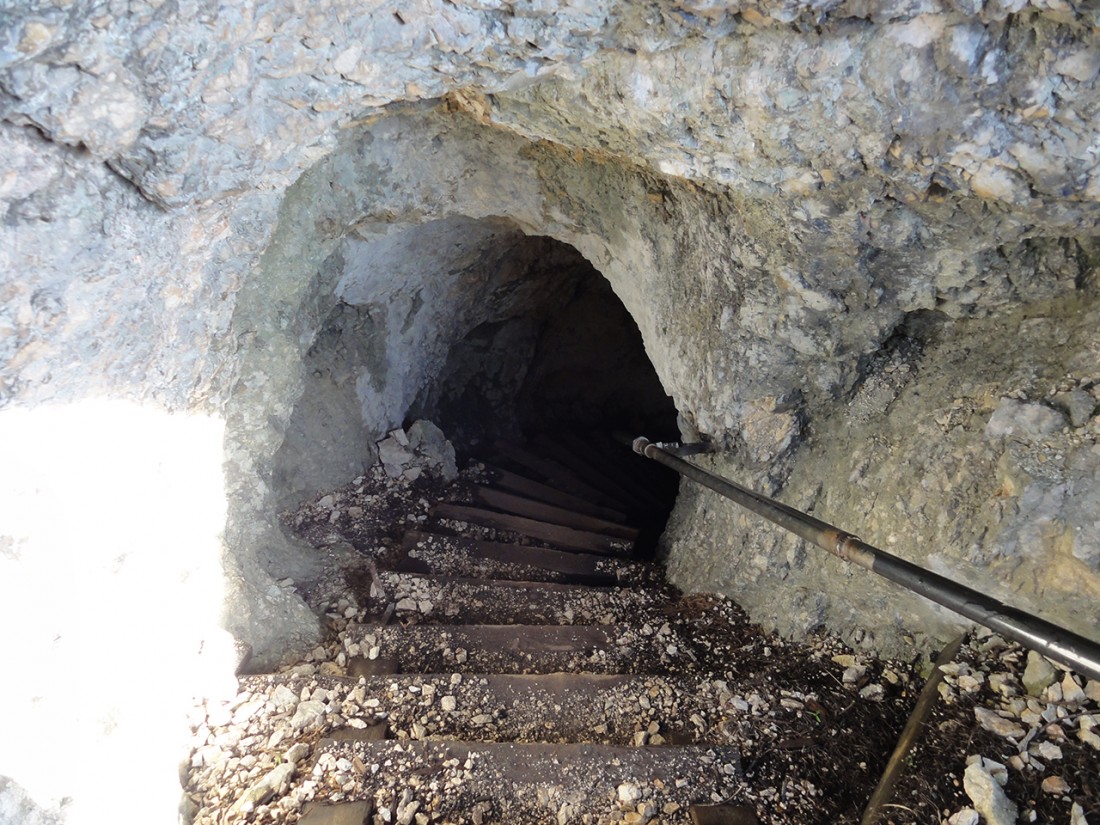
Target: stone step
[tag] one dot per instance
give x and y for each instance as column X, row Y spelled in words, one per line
column 463, row 556
column 566, row 538
column 513, row 482
column 527, row 649
column 613, row 709
column 525, row 784
column 461, row 600
column 557, row 475
column 520, row 506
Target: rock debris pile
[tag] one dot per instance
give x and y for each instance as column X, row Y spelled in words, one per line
column 491, row 688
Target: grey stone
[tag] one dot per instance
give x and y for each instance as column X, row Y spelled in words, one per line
column 1072, row 694
column 284, row 698
column 987, row 796
column 309, row 714
column 1038, row 675
column 964, row 816
column 995, row 723
column 18, row 808
column 298, row 751
column 428, row 440
column 1078, row 405
column 270, row 784
column 1015, row 418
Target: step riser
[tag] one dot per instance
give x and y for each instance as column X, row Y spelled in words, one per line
column 558, row 476
column 520, row 485
column 623, row 467
column 511, row 503
column 579, row 463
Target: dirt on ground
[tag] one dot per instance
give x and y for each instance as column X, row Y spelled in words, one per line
column 1011, row 738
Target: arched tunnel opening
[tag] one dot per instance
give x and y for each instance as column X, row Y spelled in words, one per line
column 570, row 359
column 504, row 340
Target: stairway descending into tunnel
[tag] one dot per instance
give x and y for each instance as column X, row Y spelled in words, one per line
column 520, row 664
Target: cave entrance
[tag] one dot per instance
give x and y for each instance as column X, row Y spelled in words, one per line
column 562, row 370
column 567, row 358
column 494, row 334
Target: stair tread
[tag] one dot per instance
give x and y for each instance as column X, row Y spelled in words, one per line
column 342, row 813
column 612, row 463
column 518, row 505
column 529, row 649
column 557, row 474
column 566, row 538
column 464, row 555
column 435, row 599
column 522, row 485
column 511, row 779
column 556, row 707
column 578, row 460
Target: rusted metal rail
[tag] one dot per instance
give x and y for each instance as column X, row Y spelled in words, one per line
column 1062, row 645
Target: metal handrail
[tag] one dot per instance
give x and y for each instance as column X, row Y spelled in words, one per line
column 1070, row 649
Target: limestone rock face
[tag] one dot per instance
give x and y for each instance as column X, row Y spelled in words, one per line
column 858, row 240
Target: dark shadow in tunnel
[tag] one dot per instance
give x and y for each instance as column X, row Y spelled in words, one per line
column 560, row 376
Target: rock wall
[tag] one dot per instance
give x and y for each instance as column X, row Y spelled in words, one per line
column 858, row 240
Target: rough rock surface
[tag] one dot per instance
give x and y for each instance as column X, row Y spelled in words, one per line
column 206, row 208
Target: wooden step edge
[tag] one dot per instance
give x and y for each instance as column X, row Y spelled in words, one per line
column 722, row 815
column 520, row 506
column 588, row 471
column 444, row 579
column 563, row 562
column 516, row 483
column 565, row 538
column 557, row 475
column 615, row 466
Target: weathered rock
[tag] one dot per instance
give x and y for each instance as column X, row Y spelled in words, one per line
column 1038, row 674
column 995, row 723
column 987, row 795
column 272, row 783
column 16, row 806
column 1014, row 418
column 1092, row 690
column 1086, row 732
column 1078, row 405
column 1055, row 785
column 308, row 715
column 1072, row 694
column 965, row 816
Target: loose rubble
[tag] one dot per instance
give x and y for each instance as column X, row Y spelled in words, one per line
column 797, row 732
